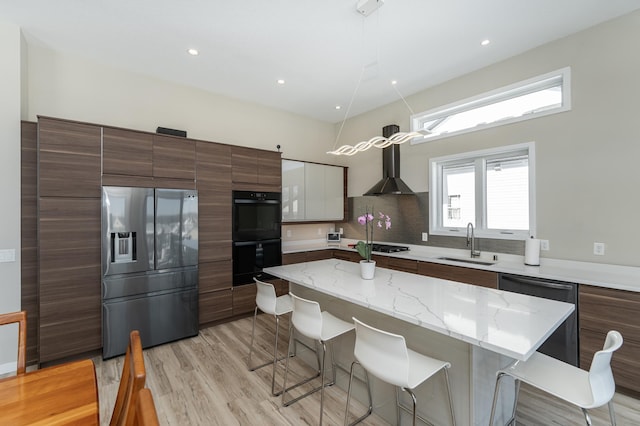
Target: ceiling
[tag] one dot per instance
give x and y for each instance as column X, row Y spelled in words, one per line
column 322, row 49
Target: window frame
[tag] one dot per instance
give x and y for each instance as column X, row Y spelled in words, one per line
column 498, row 95
column 479, row 158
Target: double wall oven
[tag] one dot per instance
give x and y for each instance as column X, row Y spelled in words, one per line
column 257, row 219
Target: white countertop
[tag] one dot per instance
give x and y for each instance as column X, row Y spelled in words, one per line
column 511, row 324
column 596, row 274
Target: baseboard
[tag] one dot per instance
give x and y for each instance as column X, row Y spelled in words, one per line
column 9, row 367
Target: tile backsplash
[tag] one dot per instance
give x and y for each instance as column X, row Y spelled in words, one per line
column 409, row 219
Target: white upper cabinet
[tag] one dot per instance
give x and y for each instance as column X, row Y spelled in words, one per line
column 312, row 192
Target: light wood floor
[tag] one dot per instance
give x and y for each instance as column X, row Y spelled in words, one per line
column 204, row 381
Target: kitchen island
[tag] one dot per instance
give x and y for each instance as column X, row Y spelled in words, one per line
column 478, row 330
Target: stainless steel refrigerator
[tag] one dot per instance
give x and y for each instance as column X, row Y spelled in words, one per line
column 149, row 266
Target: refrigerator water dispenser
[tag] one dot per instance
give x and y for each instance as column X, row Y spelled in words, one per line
column 123, row 247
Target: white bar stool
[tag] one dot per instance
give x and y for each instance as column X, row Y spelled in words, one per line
column 268, row 303
column 386, row 356
column 586, row 389
column 308, row 320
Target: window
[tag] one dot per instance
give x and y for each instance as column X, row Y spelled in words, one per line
column 542, row 95
column 492, row 189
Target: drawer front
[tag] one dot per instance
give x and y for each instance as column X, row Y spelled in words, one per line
column 603, row 309
column 625, row 362
column 460, row 274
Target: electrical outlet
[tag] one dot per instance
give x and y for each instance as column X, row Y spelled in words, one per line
column 341, row 231
column 8, row 255
column 319, row 231
column 598, row 249
column 425, row 236
column 289, row 233
column 544, row 245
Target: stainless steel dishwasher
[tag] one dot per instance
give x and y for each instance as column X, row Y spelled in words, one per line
column 563, row 343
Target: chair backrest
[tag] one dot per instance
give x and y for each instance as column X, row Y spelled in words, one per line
column 265, row 297
column 382, row 354
column 132, row 380
column 600, row 375
column 21, row 319
column 306, row 317
column 146, row 414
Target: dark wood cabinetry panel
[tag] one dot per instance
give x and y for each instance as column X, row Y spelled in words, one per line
column 217, row 306
column 406, row 265
column 381, row 261
column 457, row 273
column 318, row 255
column 244, row 299
column 256, row 169
column 213, row 166
column 291, row 258
column 601, row 310
column 351, row 256
column 69, row 277
column 29, row 235
column 213, row 179
column 245, row 165
column 127, row 152
column 214, row 276
column 69, row 158
column 174, row 157
column 281, row 286
column 270, row 169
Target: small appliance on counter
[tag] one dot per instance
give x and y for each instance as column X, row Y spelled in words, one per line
column 333, row 238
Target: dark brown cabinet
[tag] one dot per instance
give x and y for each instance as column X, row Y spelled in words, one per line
column 255, row 169
column 213, row 181
column 29, row 234
column 127, row 152
column 306, row 256
column 69, row 284
column 603, row 309
column 460, row 274
column 215, row 291
column 350, row 256
column 244, row 299
column 69, row 238
column 69, row 159
column 174, row 158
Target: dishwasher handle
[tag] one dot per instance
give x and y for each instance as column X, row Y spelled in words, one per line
column 538, row 283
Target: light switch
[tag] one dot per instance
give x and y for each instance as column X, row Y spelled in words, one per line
column 8, row 255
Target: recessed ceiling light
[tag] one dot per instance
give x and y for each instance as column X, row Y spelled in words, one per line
column 280, row 81
column 338, row 107
column 394, row 82
column 485, row 42
column 193, row 52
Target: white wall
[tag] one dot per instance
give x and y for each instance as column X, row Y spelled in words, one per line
column 9, row 186
column 69, row 87
column 587, row 158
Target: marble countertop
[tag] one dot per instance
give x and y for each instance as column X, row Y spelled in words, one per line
column 508, row 323
column 596, row 274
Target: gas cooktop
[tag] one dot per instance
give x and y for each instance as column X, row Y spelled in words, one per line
column 387, row 248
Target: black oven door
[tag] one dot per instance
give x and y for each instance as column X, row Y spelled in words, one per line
column 249, row 257
column 256, row 219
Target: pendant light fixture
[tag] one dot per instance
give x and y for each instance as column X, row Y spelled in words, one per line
column 365, row 8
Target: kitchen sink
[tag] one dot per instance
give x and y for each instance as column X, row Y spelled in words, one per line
column 467, row 260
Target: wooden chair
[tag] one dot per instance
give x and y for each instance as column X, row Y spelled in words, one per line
column 21, row 319
column 146, row 414
column 131, row 382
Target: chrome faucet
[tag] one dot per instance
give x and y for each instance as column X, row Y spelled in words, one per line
column 471, row 240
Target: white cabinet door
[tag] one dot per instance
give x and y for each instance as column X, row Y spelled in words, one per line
column 293, row 191
column 312, row 192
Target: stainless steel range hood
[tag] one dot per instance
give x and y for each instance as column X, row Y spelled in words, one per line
column 391, row 182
